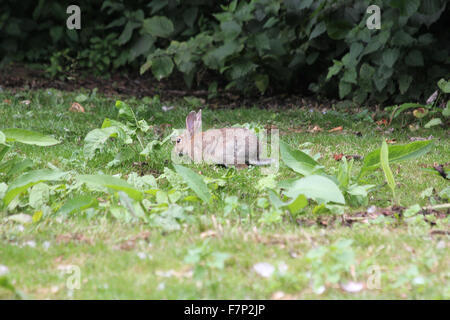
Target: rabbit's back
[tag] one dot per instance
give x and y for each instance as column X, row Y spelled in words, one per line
column 230, row 146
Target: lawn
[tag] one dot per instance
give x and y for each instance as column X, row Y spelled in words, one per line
column 237, row 245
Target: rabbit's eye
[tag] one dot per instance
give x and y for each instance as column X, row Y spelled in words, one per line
column 178, row 140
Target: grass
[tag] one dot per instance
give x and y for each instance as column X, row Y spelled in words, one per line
column 213, row 254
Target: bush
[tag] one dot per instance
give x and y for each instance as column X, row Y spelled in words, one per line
column 258, row 45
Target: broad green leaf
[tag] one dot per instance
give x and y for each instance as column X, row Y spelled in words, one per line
column 152, row 145
column 445, row 112
column 414, row 59
column 29, row 179
column 125, row 112
column 404, row 81
column 39, row 195
column 113, row 183
column 2, row 138
column 337, row 29
column 444, row 85
column 29, row 137
column 318, row 30
column 81, row 98
column 433, row 122
column 190, row 15
column 407, row 7
column 445, row 193
column 390, row 56
column 231, row 29
column 3, row 151
column 396, row 153
column 344, row 89
column 402, row 38
column 334, row 69
column 19, row 166
column 77, row 204
column 316, row 187
column 3, row 188
column 297, row 160
column 349, row 76
column 162, row 67
column 158, row 26
column 96, row 139
column 355, row 50
column 412, row 210
column 194, row 181
column 262, row 82
column 296, row 205
column 384, row 160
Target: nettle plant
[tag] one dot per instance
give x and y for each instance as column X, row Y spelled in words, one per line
column 128, row 133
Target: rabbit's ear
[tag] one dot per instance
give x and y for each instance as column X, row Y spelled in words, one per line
column 190, row 122
column 198, row 122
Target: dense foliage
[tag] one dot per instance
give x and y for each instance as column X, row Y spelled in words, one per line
column 296, row 45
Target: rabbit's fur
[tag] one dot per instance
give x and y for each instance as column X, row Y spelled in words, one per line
column 226, row 146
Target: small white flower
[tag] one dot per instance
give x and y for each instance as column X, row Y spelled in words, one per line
column 46, row 245
column 418, row 280
column 352, row 287
column 3, row 270
column 31, row 243
column 166, row 108
column 371, row 209
column 264, row 269
column 165, row 274
column 319, row 290
column 142, row 255
column 161, row 286
column 282, row 267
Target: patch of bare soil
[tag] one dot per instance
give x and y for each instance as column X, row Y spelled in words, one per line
column 18, row 77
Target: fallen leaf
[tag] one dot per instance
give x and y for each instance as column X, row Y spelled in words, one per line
column 382, row 122
column 76, row 107
column 391, row 141
column 338, row 156
column 315, row 129
column 7, row 101
column 420, row 113
column 208, row 234
column 340, row 128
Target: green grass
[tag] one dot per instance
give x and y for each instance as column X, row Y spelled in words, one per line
column 123, row 259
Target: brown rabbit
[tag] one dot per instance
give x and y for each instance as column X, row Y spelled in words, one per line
column 226, row 146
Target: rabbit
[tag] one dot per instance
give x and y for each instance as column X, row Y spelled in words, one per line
column 226, row 146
